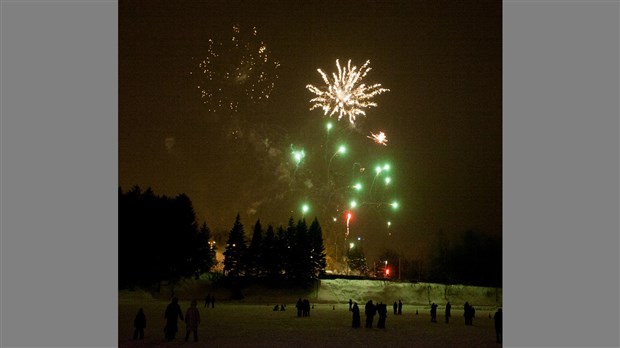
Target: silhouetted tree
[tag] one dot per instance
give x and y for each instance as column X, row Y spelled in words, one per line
column 270, row 260
column 317, row 249
column 204, row 259
column 357, row 260
column 255, row 253
column 234, row 256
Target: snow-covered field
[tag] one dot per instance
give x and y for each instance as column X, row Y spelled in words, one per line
column 253, row 323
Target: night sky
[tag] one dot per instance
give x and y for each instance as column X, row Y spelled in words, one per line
column 441, row 61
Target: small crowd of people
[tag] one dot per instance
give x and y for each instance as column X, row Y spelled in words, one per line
column 303, row 308
column 469, row 313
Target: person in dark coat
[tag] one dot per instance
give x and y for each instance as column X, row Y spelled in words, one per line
column 139, row 323
column 350, row 305
column 382, row 311
column 472, row 314
column 448, row 308
column 434, row 312
column 466, row 312
column 356, row 316
column 306, row 308
column 498, row 325
column 173, row 312
column 395, row 307
column 299, row 306
column 192, row 320
column 400, row 307
column 370, row 310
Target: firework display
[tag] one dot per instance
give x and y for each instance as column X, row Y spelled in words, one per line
column 234, row 71
column 345, row 94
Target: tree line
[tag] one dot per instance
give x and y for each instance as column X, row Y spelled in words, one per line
column 160, row 240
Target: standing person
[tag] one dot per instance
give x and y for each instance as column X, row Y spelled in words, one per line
column 434, row 312
column 448, row 308
column 472, row 314
column 299, row 306
column 382, row 311
column 498, row 325
column 207, row 300
column 466, row 312
column 173, row 312
column 139, row 323
column 395, row 307
column 356, row 316
column 350, row 304
column 400, row 307
column 306, row 308
column 370, row 310
column 192, row 319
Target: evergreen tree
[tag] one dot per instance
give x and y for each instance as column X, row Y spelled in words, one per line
column 254, row 255
column 301, row 253
column 204, row 258
column 269, row 250
column 282, row 251
column 317, row 249
column 357, row 260
column 234, row 256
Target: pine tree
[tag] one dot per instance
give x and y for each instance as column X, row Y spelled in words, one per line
column 254, row 255
column 269, row 251
column 204, row 258
column 317, row 251
column 234, row 256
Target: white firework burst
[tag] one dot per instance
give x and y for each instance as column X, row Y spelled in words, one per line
column 345, row 94
column 379, row 138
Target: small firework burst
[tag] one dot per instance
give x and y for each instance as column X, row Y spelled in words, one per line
column 379, row 138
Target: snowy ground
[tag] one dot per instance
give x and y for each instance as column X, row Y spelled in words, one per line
column 253, row 323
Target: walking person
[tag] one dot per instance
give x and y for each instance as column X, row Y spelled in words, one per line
column 356, row 316
column 139, row 323
column 173, row 312
column 448, row 308
column 192, row 319
column 498, row 325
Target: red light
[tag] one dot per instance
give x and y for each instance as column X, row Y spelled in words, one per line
column 387, row 271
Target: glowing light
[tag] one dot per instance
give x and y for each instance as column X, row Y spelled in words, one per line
column 386, row 167
column 388, row 180
column 357, row 186
column 329, row 126
column 305, row 208
column 380, row 138
column 353, row 204
column 345, row 95
column 342, row 149
column 387, row 271
column 378, row 169
column 298, row 156
column 389, row 223
column 394, row 205
column 351, row 245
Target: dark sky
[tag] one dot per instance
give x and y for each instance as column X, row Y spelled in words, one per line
column 441, row 61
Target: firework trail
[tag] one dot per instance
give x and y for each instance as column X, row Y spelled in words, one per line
column 345, row 94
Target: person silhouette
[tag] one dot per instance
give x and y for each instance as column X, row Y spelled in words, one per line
column 139, row 323
column 395, row 307
column 173, row 312
column 382, row 311
column 300, row 307
column 448, row 308
column 400, row 307
column 498, row 325
column 192, row 319
column 370, row 310
column 350, row 304
column 356, row 316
